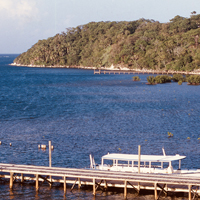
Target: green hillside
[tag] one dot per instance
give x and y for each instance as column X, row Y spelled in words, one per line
column 137, row 44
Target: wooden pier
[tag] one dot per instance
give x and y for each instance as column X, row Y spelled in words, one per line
column 101, row 71
column 159, row 183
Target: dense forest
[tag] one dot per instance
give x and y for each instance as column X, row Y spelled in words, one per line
column 141, row 44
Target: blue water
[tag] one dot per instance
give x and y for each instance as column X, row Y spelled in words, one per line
column 83, row 113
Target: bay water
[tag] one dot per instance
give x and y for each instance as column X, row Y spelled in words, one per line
column 83, row 113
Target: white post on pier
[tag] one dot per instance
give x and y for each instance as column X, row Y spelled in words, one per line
column 49, row 153
column 139, row 158
column 50, row 160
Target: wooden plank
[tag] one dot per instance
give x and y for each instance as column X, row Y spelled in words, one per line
column 176, row 180
column 45, row 179
column 70, row 170
column 116, row 177
column 147, row 178
column 74, row 184
column 133, row 187
column 162, row 190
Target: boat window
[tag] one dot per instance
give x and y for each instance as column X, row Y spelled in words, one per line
column 109, row 162
column 122, row 163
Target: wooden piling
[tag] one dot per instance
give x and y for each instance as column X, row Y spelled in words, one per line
column 11, row 180
column 138, row 187
column 79, row 183
column 155, row 191
column 37, row 182
column 125, row 189
column 190, row 192
column 155, row 182
column 22, row 178
column 105, row 185
column 64, row 184
column 94, row 187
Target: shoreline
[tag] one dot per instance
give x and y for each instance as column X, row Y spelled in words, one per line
column 113, row 68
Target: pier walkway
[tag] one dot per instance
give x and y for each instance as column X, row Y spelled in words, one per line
column 102, row 71
column 104, row 179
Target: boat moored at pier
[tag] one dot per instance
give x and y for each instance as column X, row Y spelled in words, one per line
column 161, row 164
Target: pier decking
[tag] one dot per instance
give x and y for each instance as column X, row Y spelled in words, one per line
column 106, row 71
column 104, row 179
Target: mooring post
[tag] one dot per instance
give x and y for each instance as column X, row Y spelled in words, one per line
column 105, row 185
column 64, row 184
column 138, row 187
column 139, row 156
column 190, row 192
column 50, row 159
column 155, row 191
column 125, row 189
column 49, row 153
column 22, row 178
column 37, row 182
column 94, row 188
column 79, row 183
column 11, row 180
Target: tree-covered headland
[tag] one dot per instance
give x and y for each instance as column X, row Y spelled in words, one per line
column 141, row 44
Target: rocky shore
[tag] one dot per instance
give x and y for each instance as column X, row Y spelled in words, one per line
column 115, row 68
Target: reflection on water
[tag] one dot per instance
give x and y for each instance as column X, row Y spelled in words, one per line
column 83, row 113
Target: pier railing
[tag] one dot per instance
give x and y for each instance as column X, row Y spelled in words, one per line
column 106, row 71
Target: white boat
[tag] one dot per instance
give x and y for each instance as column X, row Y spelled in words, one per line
column 142, row 163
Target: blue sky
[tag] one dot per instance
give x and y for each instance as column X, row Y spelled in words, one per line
column 24, row 22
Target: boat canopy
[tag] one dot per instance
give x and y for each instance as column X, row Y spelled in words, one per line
column 143, row 158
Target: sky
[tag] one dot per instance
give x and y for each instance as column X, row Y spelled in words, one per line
column 24, row 22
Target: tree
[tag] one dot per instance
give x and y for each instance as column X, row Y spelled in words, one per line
column 143, row 44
